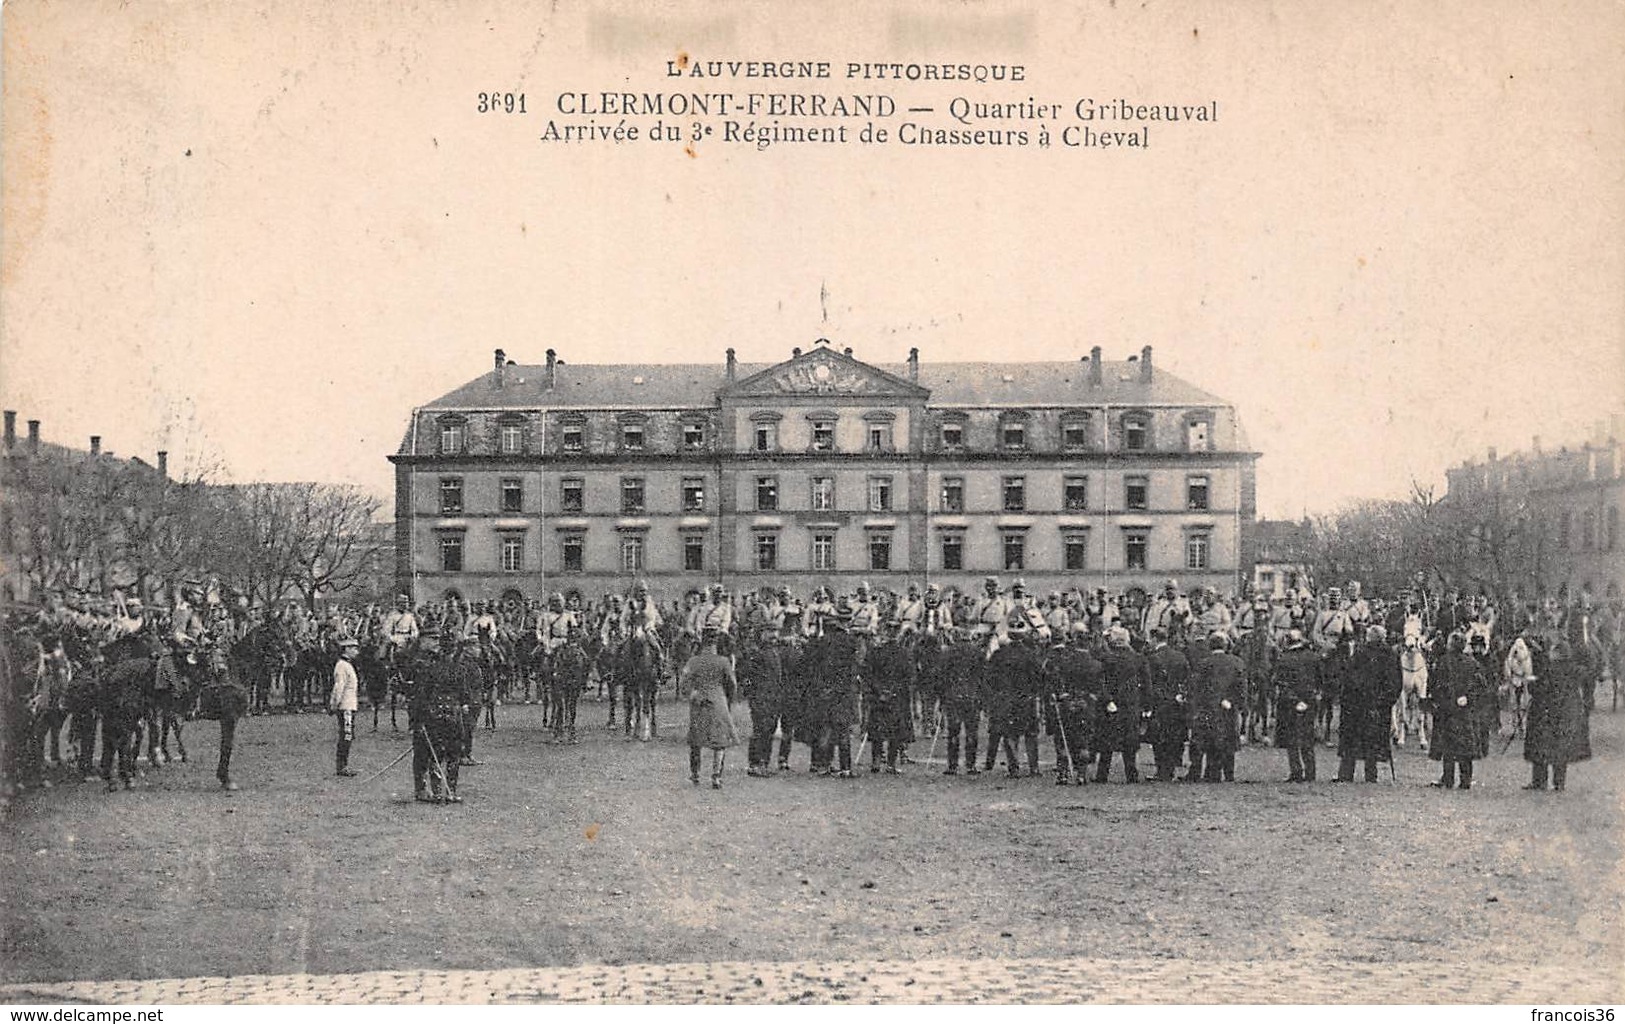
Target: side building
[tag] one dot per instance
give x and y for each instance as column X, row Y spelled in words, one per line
column 821, row 470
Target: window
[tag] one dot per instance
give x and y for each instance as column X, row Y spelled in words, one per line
column 1199, row 436
column 572, row 552
column 1075, row 432
column 693, row 494
column 953, row 435
column 513, row 552
column 451, row 553
column 1136, row 433
column 767, row 494
column 1197, row 546
column 693, row 435
column 1196, row 493
column 880, row 437
column 1075, row 551
column 1013, row 434
column 572, row 491
column 823, row 552
column 1135, row 546
column 631, row 495
column 1136, row 493
column 1015, row 494
column 694, row 552
column 1015, row 552
column 513, row 494
column 1588, row 531
column 1563, row 525
column 451, row 436
column 953, row 494
column 880, row 494
column 879, row 550
column 953, row 551
column 451, row 495
column 632, row 553
column 1075, row 493
column 511, row 438
column 572, row 434
column 767, row 437
column 632, row 437
column 823, row 494
column 767, row 551
column 823, row 435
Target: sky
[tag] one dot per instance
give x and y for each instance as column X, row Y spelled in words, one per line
column 258, row 235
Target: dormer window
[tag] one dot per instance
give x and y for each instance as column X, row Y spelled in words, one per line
column 453, row 433
column 511, row 438
column 1013, row 432
column 693, row 435
column 953, row 435
column 573, row 435
column 1075, row 431
column 1136, row 432
column 632, row 437
column 878, row 431
column 1199, row 434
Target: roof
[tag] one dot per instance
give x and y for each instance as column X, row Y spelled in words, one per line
column 695, row 385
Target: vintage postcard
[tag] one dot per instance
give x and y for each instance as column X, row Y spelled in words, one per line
column 920, row 502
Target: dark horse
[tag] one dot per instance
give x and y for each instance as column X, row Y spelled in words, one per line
column 129, row 674
column 567, row 677
column 637, row 672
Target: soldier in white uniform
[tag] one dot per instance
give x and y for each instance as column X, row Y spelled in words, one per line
column 553, row 626
column 718, row 613
column 938, row 617
column 910, row 611
column 401, row 625
column 821, row 608
column 1058, row 617
column 865, row 612
column 1169, row 611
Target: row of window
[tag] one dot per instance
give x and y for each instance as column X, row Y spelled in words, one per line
column 1590, row 538
column 1075, row 435
column 951, row 547
column 881, row 494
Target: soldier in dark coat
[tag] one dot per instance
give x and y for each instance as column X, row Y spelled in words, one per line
column 1073, row 676
column 1462, row 698
column 836, row 695
column 961, row 704
column 1297, row 696
column 709, row 679
column 888, row 680
column 1217, row 690
column 1371, row 685
column 1559, row 725
column 442, row 698
column 1019, row 672
column 761, row 678
column 995, row 695
column 1169, row 723
column 1123, row 682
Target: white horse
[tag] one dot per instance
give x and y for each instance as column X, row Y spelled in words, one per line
column 1408, row 715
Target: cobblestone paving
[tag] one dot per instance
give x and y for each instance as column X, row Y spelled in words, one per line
column 925, row 981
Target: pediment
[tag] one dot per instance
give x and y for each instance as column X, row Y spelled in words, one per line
column 824, row 371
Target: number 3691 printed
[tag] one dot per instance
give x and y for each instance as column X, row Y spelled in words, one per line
column 501, row 103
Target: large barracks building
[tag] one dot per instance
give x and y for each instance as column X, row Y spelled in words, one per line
column 822, row 469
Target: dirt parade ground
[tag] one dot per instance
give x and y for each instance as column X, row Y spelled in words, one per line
column 596, row 872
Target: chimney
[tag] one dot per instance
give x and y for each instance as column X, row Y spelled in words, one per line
column 914, row 366
column 1094, row 366
column 33, row 437
column 552, row 369
column 163, row 465
column 500, row 371
column 11, row 429
column 795, row 353
column 1145, row 365
column 95, row 444
column 732, row 366
column 848, row 351
column 1492, row 454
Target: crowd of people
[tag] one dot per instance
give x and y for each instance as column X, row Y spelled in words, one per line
column 1189, row 674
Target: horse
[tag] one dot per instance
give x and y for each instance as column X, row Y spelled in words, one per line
column 260, row 658
column 128, row 676
column 1409, row 713
column 637, row 672
column 567, row 677
column 172, row 698
column 222, row 697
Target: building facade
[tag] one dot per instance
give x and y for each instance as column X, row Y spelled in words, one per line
column 1551, row 517
column 821, row 470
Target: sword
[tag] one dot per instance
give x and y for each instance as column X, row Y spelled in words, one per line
column 387, row 767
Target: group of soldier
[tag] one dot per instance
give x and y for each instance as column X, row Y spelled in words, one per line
column 1190, row 675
